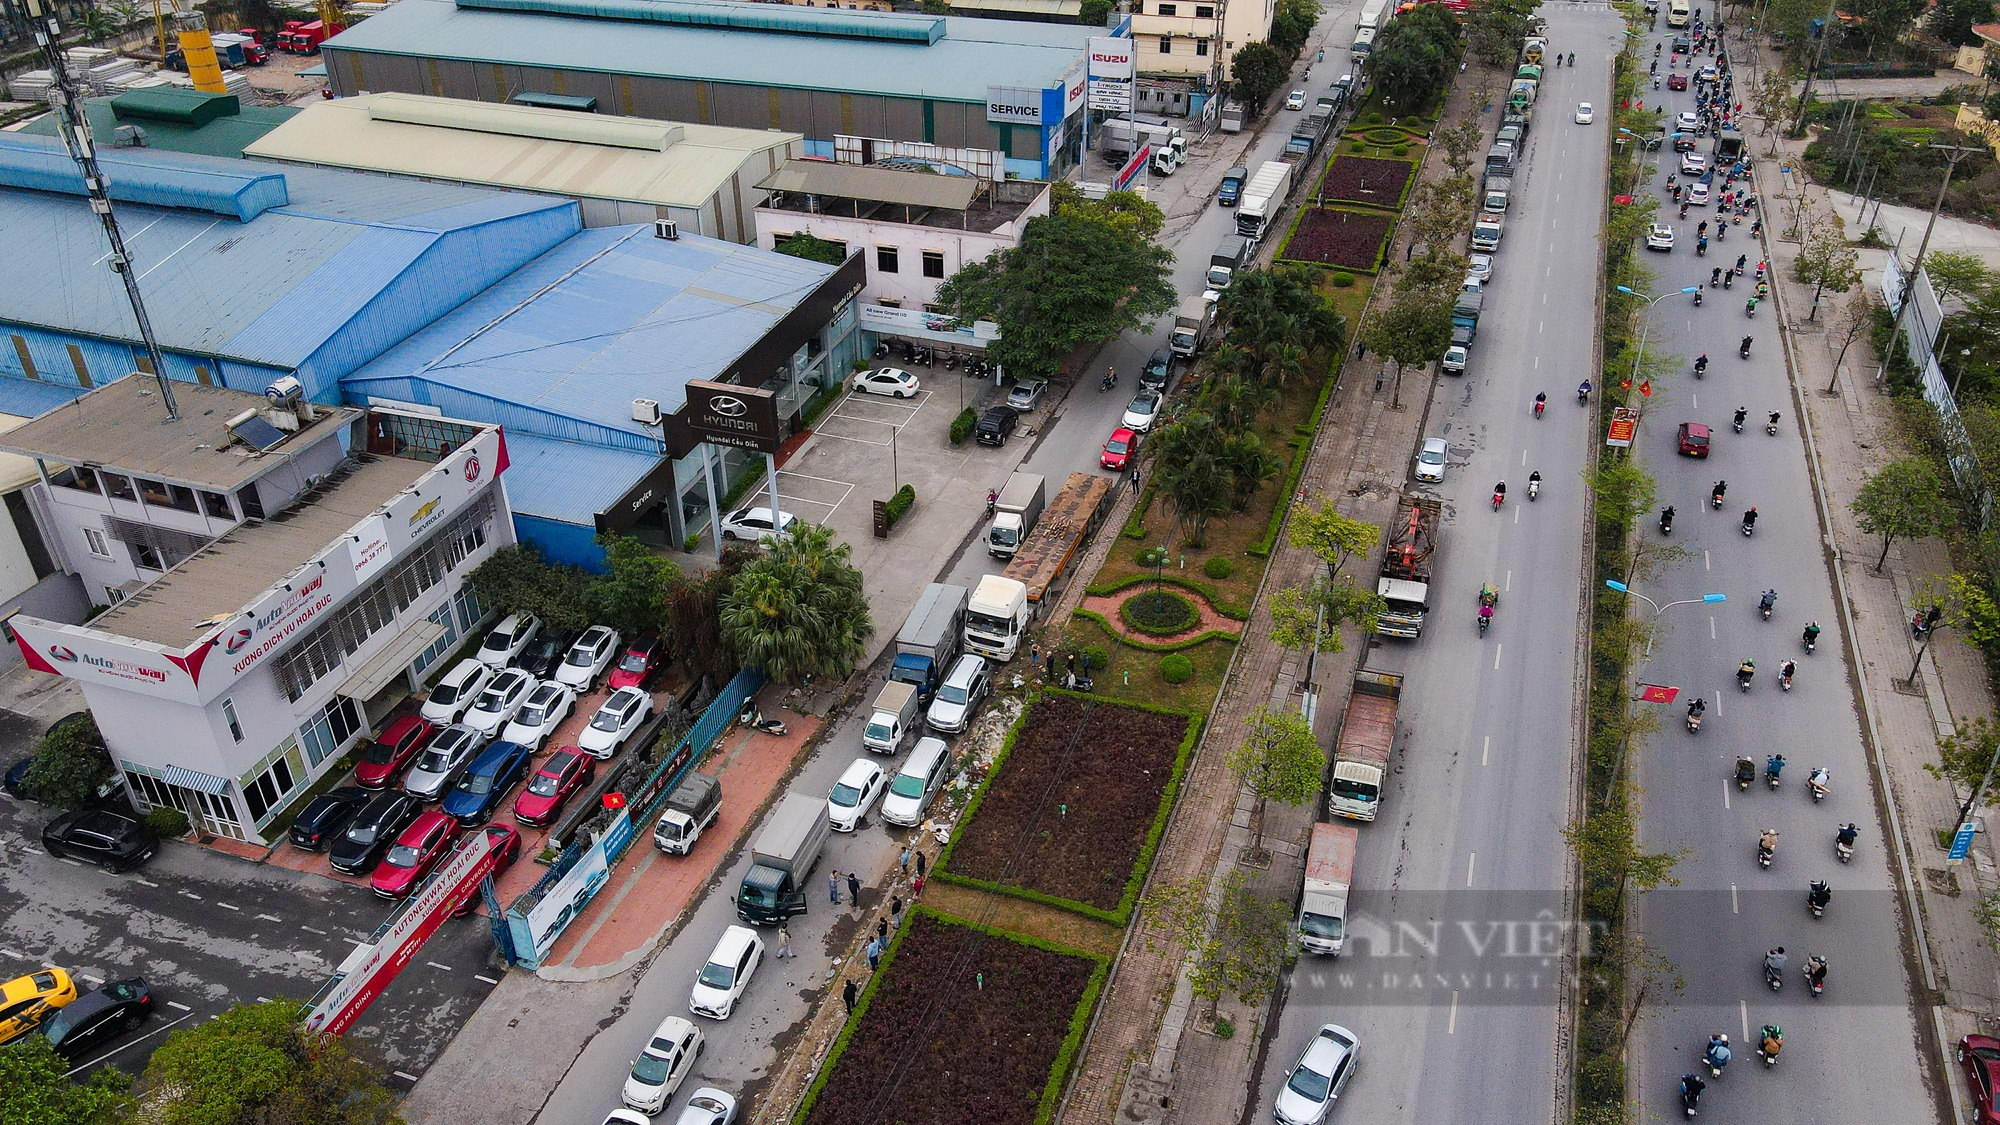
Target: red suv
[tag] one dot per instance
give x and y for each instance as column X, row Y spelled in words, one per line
column 1980, row 1056
column 566, row 771
column 392, row 750
column 638, row 664
column 1677, row 81
column 1693, row 439
column 414, row 853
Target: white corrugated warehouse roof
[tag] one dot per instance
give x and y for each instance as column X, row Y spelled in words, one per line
column 583, row 155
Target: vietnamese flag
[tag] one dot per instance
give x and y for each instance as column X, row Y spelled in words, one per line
column 1646, row 389
column 1657, row 693
column 614, row 801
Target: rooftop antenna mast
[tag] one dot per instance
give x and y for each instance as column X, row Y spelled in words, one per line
column 67, row 98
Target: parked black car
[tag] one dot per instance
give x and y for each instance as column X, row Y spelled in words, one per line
column 996, row 426
column 1157, row 370
column 545, row 653
column 100, row 836
column 326, row 817
column 99, row 1017
column 372, row 830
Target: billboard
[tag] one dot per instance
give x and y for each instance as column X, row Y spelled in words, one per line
column 726, row 414
column 924, row 325
column 91, row 657
column 1111, row 74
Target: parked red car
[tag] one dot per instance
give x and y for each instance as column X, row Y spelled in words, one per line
column 1980, row 1056
column 1119, row 449
column 386, row 757
column 506, row 844
column 566, row 771
column 415, row 852
column 639, row 664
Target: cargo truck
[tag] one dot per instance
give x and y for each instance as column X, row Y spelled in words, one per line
column 1223, row 262
column 930, row 638
column 1372, row 13
column 1232, row 116
column 1190, row 325
column 1053, row 548
column 1306, row 136
column 1122, row 136
column 1364, row 44
column 893, row 719
column 1497, row 189
column 1465, row 309
column 1367, row 737
column 996, row 616
column 695, row 804
column 1014, row 514
column 1406, row 568
column 1329, row 875
column 1265, row 193
column 1231, row 191
column 784, row 853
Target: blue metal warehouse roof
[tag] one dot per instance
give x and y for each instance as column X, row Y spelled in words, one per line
column 561, row 347
column 567, row 481
column 948, row 58
column 256, row 262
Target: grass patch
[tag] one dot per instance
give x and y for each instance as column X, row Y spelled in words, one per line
column 1018, row 915
column 1133, row 675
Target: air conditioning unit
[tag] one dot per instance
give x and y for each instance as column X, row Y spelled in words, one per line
column 646, row 410
column 667, row 229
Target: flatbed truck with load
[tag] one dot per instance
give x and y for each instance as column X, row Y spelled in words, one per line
column 1367, row 739
column 1045, row 561
column 1406, row 567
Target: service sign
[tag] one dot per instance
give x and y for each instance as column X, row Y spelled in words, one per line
column 1014, row 105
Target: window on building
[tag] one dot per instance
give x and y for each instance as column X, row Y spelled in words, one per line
column 1204, row 11
column 473, row 539
column 146, row 556
column 326, row 732
column 216, row 505
column 229, row 716
column 1166, row 44
column 80, row 479
column 1201, row 47
column 203, row 375
column 465, row 604
column 933, row 263
column 265, row 788
column 162, row 495
column 93, row 540
column 81, row 368
column 885, row 259
column 118, row 487
column 253, row 508
column 113, row 595
column 442, row 618
column 1168, row 9
column 142, row 362
column 26, row 357
column 30, row 533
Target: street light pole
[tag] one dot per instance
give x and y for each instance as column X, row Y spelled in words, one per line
column 1618, row 765
column 1646, row 326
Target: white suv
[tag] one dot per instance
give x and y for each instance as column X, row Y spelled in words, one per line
column 727, row 973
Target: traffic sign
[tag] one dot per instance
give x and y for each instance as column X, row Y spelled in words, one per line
column 1961, row 842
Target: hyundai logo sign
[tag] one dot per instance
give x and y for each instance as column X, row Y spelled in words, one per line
column 728, row 406
column 733, row 415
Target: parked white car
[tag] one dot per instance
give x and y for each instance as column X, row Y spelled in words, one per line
column 1479, row 267
column 455, row 691
column 892, row 381
column 503, row 696
column 1140, row 415
column 708, row 1106
column 755, row 524
column 854, row 794
column 924, row 772
column 1317, row 1079
column 963, row 690
column 441, row 760
column 1455, row 358
column 621, row 715
column 665, row 1063
column 543, row 711
column 727, row 973
column 1431, row 460
column 1295, row 100
column 503, row 645
column 589, row 657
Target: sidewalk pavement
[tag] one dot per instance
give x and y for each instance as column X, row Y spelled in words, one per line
column 1852, row 433
column 1902, row 227
column 1140, row 1063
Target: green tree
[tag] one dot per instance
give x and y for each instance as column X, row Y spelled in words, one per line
column 1957, row 274
column 70, row 762
column 798, row 609
column 1607, row 851
column 254, row 1064
column 1332, row 537
column 1278, row 760
column 1826, row 261
column 1408, row 70
column 1271, row 312
column 518, row 580
column 1299, row 617
column 1965, row 753
column 31, row 1073
column 1249, row 465
column 1128, row 211
column 635, row 594
column 812, row 248
column 693, row 629
column 1623, row 490
column 1093, row 13
column 1236, row 943
column 1292, row 24
column 1258, row 69
column 1768, row 96
column 1413, row 331
column 1904, row 499
column 1073, row 281
column 1494, row 32
column 1460, row 142
column 1188, row 469
column 1235, row 401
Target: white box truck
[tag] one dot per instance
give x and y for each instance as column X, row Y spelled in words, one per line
column 1014, row 514
column 1266, row 192
column 1329, row 876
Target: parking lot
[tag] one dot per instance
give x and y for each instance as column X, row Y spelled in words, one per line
column 207, row 930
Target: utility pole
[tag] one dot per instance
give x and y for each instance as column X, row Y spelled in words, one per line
column 67, row 98
column 1812, row 72
column 1953, row 154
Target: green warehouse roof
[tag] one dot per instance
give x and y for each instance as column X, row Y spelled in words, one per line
column 177, row 120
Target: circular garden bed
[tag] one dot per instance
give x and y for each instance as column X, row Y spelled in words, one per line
column 1159, row 613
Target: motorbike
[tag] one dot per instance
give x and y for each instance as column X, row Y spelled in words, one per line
column 1499, row 498
column 1773, row 767
column 1810, row 638
column 1109, row 381
column 1690, row 1093
column 1744, row 351
column 1817, row 896
column 1749, row 524
column 1694, row 716
column 1534, row 488
column 1667, row 522
column 751, row 717
column 1818, row 786
column 1771, row 424
column 1765, row 853
column 1715, row 498
column 1746, row 772
column 992, row 502
column 1818, row 986
column 1736, row 423
column 1843, row 844
column 1770, row 1043
column 1764, row 606
column 1700, row 251
column 1750, row 308
column 1485, row 619
column 1697, row 295
column 1773, row 976
column 1744, row 672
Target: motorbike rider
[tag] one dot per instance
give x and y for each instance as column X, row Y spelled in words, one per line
column 1816, row 971
column 1691, row 1088
column 1819, row 780
column 1744, row 348
column 1667, row 518
column 1746, row 771
column 1767, row 841
column 1750, row 518
column 1811, row 635
column 1771, row 1040
column 1771, row 421
column 1847, row 834
column 1769, row 599
column 1715, row 495
column 1541, row 402
column 1774, row 765
column 1787, row 670
column 1696, row 708
column 1534, row 483
column 992, row 500
column 1701, row 362
column 1741, row 413
column 1746, row 670
column 1583, row 392
column 1774, row 961
column 1488, row 595
column 1715, row 277
column 1818, row 893
column 1717, row 1054
column 1500, row 494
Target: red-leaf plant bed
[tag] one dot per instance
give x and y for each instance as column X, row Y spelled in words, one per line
column 1068, row 812
column 1350, row 239
column 959, row 1027
column 1358, row 179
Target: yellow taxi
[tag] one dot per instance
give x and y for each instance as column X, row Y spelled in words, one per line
column 26, row 1001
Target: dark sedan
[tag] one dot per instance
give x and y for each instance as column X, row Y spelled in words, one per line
column 326, row 816
column 545, row 653
column 113, row 842
column 99, row 1017
column 372, row 830
column 479, row 790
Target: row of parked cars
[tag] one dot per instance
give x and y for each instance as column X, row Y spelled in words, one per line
column 77, row 1024
column 472, row 741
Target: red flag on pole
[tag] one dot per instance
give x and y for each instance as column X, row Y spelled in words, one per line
column 1646, row 389
column 1624, row 384
column 614, row 800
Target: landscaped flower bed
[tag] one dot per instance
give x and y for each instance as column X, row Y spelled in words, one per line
column 1361, row 179
column 1349, row 239
column 960, row 1025
column 1074, row 805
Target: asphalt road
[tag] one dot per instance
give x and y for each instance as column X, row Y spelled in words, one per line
column 208, row 931
column 1853, row 1054
column 1067, row 437
column 1449, row 979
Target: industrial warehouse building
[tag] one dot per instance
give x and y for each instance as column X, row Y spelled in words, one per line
column 990, row 97
column 393, row 293
column 621, row 169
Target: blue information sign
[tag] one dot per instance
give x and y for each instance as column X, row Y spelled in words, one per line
column 1961, row 843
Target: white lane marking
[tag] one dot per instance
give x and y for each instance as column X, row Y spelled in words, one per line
column 71, row 862
column 14, row 954
column 1451, row 1024
column 178, row 1007
column 441, row 968
column 310, row 930
column 1507, row 582
column 405, row 1077
column 144, row 882
column 487, row 979
column 1471, row 858
column 1706, row 562
column 190, row 894
column 269, row 918
column 1735, row 907
column 1743, row 1012
column 1518, row 508
column 1711, row 626
column 1496, row 655
column 90, row 980
column 353, row 941
column 227, row 906
column 1485, row 748
column 1524, row 458
column 1725, row 796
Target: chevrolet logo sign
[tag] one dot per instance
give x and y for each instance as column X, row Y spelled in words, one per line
column 422, row 513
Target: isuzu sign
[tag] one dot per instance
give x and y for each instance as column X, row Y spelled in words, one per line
column 726, row 414
column 1111, row 58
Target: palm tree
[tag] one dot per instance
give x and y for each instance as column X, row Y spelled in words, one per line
column 1186, row 467
column 1243, row 456
column 799, row 609
column 1235, row 401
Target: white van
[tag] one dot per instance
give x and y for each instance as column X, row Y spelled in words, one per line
column 917, row 783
